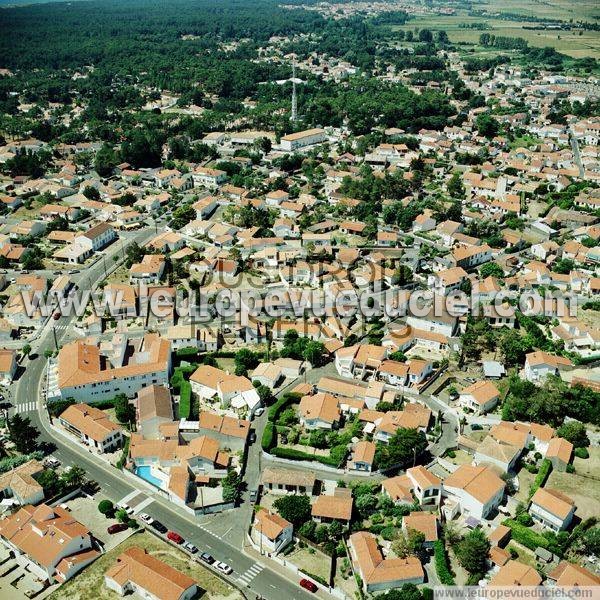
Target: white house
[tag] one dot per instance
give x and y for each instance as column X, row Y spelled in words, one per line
column 538, row 365
column 480, row 397
column 271, row 532
column 552, row 509
column 475, row 490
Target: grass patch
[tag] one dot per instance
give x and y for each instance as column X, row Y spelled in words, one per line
column 90, row 582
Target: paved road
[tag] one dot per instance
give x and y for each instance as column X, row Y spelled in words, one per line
column 225, row 545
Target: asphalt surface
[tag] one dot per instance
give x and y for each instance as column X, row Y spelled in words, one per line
column 254, row 578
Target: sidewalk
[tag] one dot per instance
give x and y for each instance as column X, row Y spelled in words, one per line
column 278, row 568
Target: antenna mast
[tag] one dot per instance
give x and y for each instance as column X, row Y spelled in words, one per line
column 294, row 116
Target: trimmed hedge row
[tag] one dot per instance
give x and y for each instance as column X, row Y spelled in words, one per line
column 529, row 538
column 281, row 404
column 541, row 477
column 441, row 563
column 269, row 437
column 185, row 399
column 293, row 454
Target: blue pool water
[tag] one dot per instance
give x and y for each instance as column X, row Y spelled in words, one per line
column 146, row 473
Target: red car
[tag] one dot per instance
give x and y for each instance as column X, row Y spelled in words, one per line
column 307, row 584
column 117, row 528
column 175, row 537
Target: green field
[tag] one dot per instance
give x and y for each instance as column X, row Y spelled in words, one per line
column 576, row 43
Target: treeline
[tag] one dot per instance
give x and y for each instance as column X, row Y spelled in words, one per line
column 490, row 40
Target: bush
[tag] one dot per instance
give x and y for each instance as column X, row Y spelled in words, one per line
column 185, row 399
column 106, row 507
column 188, row 352
column 123, row 459
column 581, row 453
column 451, row 454
column 269, row 437
column 570, row 469
column 376, row 529
column 57, row 407
column 441, row 563
column 388, row 533
column 525, row 519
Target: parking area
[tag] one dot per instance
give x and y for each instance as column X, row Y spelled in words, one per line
column 85, row 510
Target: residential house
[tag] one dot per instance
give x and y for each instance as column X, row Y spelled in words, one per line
column 539, row 364
column 92, row 427
column 559, row 453
column 336, row 507
column 363, row 456
column 8, row 366
column 472, row 490
column 48, row 541
column 20, row 486
column 279, row 480
column 271, row 532
column 137, row 572
column 552, row 509
column 480, row 397
column 319, row 411
column 515, row 574
column 378, row 573
column 424, row 522
column 154, row 407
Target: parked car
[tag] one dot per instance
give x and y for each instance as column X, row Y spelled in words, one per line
column 259, row 411
column 56, row 315
column 175, row 537
column 307, row 584
column 116, row 528
column 252, row 437
column 51, row 462
column 158, row 526
column 223, row 567
column 126, row 508
column 207, row 558
column 146, row 518
column 253, row 495
column 190, row 547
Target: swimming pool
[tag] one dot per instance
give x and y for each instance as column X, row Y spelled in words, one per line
column 146, row 474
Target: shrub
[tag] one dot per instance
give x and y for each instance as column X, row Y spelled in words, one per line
column 582, row 453
column 570, row 469
column 388, row 533
column 123, row 458
column 187, row 352
column 106, row 507
column 57, row 407
column 451, row 454
column 441, row 563
column 376, row 529
column 525, row 519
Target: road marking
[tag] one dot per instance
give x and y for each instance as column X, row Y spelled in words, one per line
column 250, row 574
column 25, row 407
